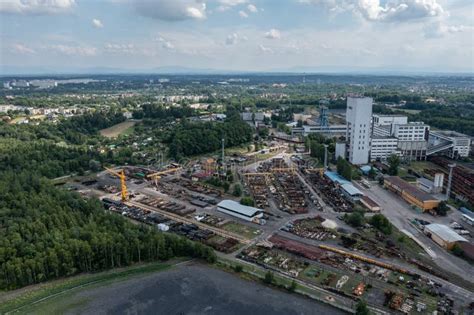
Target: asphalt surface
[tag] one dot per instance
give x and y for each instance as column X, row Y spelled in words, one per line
column 192, row 289
column 400, row 214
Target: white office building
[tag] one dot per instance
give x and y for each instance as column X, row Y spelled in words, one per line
column 383, row 125
column 382, row 147
column 414, row 131
column 358, row 116
column 388, row 120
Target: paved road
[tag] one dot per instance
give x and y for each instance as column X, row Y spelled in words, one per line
column 400, row 215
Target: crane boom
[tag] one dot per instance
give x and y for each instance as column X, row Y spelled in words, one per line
column 123, row 185
column 156, row 176
column 163, row 172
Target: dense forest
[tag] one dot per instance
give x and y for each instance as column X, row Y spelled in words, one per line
column 46, row 233
column 197, row 138
column 155, row 111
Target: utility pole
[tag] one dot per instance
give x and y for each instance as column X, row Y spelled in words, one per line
column 448, row 189
column 222, row 156
column 325, row 156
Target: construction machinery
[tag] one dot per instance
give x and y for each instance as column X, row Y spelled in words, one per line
column 123, row 185
column 156, row 176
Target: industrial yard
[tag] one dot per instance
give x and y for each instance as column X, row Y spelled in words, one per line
column 295, row 228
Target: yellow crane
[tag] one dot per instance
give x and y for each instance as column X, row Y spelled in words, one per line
column 156, row 176
column 120, row 174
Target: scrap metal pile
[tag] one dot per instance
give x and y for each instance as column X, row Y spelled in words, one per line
column 330, row 193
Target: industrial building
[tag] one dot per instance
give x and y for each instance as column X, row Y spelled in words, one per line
column 431, row 186
column 389, row 120
column 330, row 130
column 410, row 193
column 237, row 210
column 351, row 193
column 443, row 235
column 450, row 143
column 370, row 204
column 382, row 147
column 358, row 117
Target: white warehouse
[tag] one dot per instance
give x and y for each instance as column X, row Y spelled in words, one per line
column 237, row 210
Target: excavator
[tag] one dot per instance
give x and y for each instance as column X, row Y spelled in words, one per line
column 120, row 174
column 156, row 176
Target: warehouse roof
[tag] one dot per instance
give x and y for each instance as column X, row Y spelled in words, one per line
column 351, row 190
column 237, row 207
column 335, row 177
column 445, row 233
column 369, row 201
column 412, row 190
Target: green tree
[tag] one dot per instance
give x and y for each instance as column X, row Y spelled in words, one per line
column 247, row 201
column 393, row 164
column 237, row 190
column 381, row 223
column 355, row 219
column 442, row 209
column 269, row 277
column 361, row 308
column 317, row 151
column 293, row 286
column 457, row 250
column 372, row 173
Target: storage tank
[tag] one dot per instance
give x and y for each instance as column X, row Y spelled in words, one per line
column 438, row 182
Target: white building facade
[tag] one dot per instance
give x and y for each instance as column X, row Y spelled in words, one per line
column 358, row 116
column 382, row 147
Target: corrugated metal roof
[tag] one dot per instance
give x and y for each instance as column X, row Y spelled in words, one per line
column 335, row 177
column 445, row 233
column 237, row 207
column 351, row 190
column 412, row 190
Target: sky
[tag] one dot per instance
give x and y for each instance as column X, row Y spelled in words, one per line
column 238, row 35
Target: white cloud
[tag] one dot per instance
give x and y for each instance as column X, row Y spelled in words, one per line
column 232, row 3
column 243, row 14
column 265, row 49
column 172, row 10
column 36, row 7
column 439, row 29
column 22, row 49
column 252, row 8
column 165, row 43
column 391, row 11
column 399, row 10
column 273, row 34
column 234, row 38
column 227, row 4
column 231, row 39
column 72, row 50
column 97, row 23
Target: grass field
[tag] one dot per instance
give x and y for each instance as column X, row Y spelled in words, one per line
column 26, row 299
column 122, row 128
column 409, row 111
column 244, row 230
